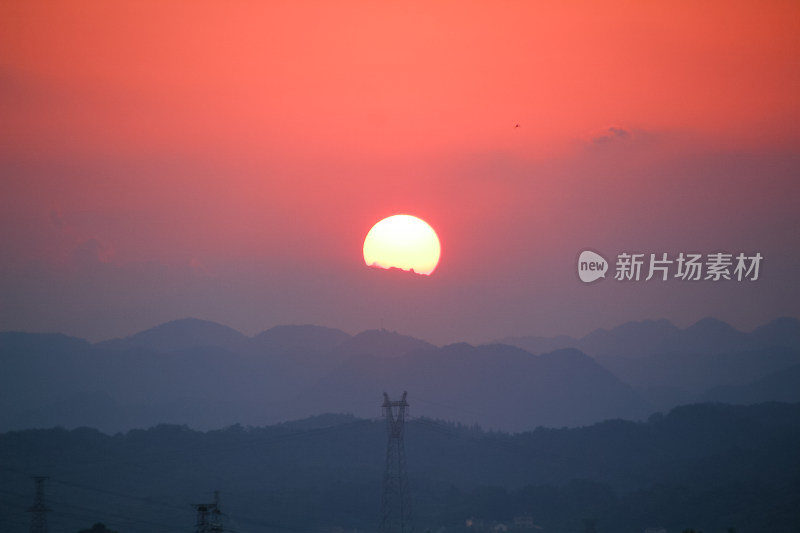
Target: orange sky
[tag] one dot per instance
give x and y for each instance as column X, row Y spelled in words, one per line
column 253, row 145
column 392, row 79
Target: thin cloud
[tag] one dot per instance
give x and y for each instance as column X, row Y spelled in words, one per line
column 612, row 134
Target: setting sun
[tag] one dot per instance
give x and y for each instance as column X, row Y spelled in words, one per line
column 404, row 242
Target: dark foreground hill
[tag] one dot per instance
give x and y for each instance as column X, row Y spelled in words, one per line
column 709, row 467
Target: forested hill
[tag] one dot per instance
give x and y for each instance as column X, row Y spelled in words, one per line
column 705, row 466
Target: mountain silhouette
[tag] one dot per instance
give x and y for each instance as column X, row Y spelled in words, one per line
column 304, row 337
column 782, row 385
column 381, row 342
column 669, row 366
column 631, row 338
column 16, row 342
column 780, row 332
column 650, row 337
column 207, row 375
column 669, row 379
column 495, row 386
column 180, row 335
column 710, row 335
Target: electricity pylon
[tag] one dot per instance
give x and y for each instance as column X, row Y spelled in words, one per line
column 396, row 504
column 209, row 516
column 39, row 510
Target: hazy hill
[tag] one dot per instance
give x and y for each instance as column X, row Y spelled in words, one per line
column 669, row 366
column 632, row 338
column 304, row 337
column 708, row 467
column 181, row 335
column 15, row 342
column 779, row 332
column 207, row 375
column 496, row 386
column 292, row 372
column 33, row 365
column 651, row 337
column 382, row 343
column 672, row 378
column 783, row 385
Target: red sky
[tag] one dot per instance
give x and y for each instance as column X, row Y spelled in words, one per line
column 224, row 161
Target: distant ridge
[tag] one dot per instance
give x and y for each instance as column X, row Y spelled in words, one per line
column 382, row 342
column 181, row 334
column 780, row 332
column 650, row 337
column 299, row 337
column 707, row 360
column 18, row 341
column 215, row 376
column 496, row 386
column 783, row 385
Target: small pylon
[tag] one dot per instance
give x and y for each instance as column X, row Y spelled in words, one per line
column 39, row 510
column 203, row 524
column 216, row 516
column 209, row 516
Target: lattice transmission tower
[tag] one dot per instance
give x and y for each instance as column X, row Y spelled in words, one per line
column 209, row 516
column 396, row 504
column 39, row 510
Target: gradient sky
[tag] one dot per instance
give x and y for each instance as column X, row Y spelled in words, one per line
column 224, row 161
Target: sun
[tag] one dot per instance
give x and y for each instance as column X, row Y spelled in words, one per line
column 404, row 242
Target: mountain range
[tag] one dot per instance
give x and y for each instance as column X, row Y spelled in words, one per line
column 652, row 337
column 208, row 375
column 709, row 360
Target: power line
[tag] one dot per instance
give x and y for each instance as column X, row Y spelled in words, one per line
column 93, row 513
